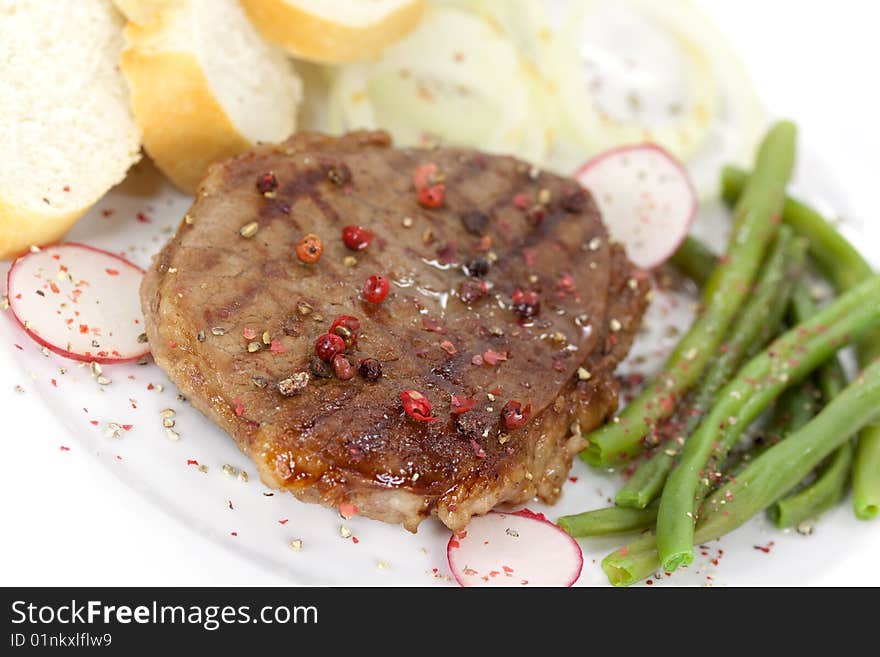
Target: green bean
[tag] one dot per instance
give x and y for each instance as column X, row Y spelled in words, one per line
column 766, row 479
column 821, row 495
column 830, row 484
column 845, row 267
column 839, row 260
column 695, row 260
column 795, row 407
column 832, row 379
column 609, row 521
column 782, row 466
column 787, row 360
column 647, row 482
column 802, row 305
column 724, row 292
column 633, row 562
column 866, row 474
column 749, row 332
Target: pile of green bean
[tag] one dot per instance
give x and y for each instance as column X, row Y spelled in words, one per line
column 759, row 345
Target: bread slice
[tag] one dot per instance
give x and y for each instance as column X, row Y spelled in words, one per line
column 337, row 31
column 204, row 84
column 66, row 131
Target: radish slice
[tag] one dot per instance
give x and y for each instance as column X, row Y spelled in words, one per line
column 514, row 549
column 80, row 302
column 646, row 198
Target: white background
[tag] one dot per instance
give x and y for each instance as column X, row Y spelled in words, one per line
column 64, row 521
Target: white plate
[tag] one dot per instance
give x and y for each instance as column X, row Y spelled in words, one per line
column 135, row 219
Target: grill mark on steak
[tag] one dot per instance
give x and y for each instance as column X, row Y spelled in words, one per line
column 350, row 441
column 325, row 208
column 276, row 209
column 228, row 310
column 306, row 186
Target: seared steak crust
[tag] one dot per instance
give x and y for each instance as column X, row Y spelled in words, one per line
column 502, row 223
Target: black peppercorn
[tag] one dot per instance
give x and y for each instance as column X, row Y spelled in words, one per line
column 370, row 369
column 475, row 222
column 477, row 267
column 574, row 200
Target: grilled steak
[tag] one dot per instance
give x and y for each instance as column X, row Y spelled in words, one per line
column 507, row 313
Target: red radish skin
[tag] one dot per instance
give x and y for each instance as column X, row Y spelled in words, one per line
column 77, row 317
column 646, row 198
column 514, row 549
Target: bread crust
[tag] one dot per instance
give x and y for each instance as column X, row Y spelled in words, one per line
column 317, row 39
column 184, row 127
column 20, row 228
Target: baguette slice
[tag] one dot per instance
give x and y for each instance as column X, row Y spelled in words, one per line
column 334, row 32
column 66, row 130
column 204, row 84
